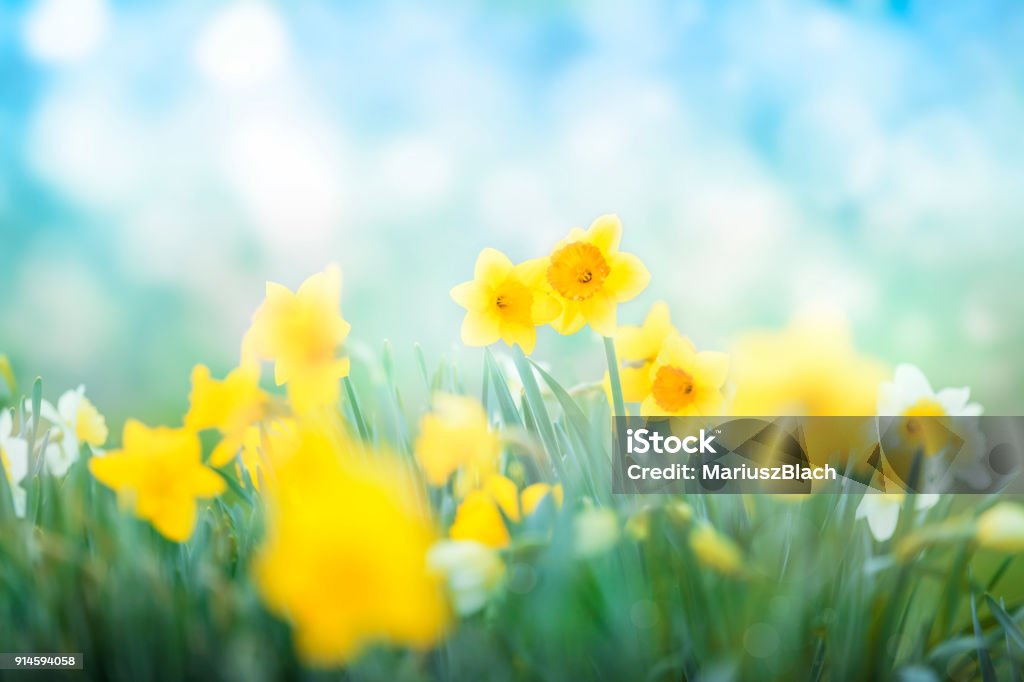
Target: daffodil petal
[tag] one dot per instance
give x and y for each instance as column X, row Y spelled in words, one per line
column 600, row 311
column 605, row 233
column 175, row 520
column 636, row 382
column 480, row 329
column 492, row 266
column 545, row 308
column 628, row 276
column 470, row 295
column 525, row 336
column 711, row 368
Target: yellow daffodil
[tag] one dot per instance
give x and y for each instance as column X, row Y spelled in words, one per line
column 264, row 446
column 637, row 348
column 230, row 405
column 481, row 516
column 505, row 301
column 1002, row 528
column 809, row 369
column 812, row 369
column 160, row 473
column 345, row 556
column 301, row 333
column 591, row 277
column 684, row 382
column 716, row 550
column 456, row 436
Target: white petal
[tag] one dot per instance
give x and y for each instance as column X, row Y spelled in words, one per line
column 925, row 500
column 972, row 410
column 954, row 400
column 6, row 424
column 59, row 458
column 883, row 521
column 882, row 511
column 912, row 380
column 16, row 450
column 19, row 496
column 51, row 414
column 68, row 403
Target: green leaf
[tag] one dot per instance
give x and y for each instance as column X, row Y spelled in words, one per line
column 1007, row 621
column 988, row 672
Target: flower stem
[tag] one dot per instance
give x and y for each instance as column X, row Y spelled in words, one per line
column 618, row 405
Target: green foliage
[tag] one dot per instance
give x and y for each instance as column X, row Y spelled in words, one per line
column 818, row 597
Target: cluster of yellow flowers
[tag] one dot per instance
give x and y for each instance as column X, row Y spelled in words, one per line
column 581, row 282
column 345, row 556
column 353, row 554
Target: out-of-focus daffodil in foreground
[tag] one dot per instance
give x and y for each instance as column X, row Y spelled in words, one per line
column 159, row 473
column 454, row 437
column 345, row 558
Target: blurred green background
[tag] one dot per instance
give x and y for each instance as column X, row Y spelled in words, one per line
column 160, row 161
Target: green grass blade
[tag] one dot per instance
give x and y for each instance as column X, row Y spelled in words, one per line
column 988, row 671
column 1007, row 621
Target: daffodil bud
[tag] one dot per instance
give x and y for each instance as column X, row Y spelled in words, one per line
column 716, row 550
column 596, row 531
column 1002, row 528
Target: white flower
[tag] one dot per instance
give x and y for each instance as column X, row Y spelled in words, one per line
column 909, row 391
column 14, row 456
column 910, row 395
column 75, row 421
column 473, row 572
column 882, row 511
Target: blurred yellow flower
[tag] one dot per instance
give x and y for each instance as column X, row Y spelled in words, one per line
column 481, row 515
column 345, row 556
column 456, row 436
column 264, row 446
column 301, row 333
column 1002, row 528
column 679, row 513
column 591, row 277
column 811, row 368
column 637, row 348
column 716, row 550
column 505, row 301
column 160, row 473
column 7, row 374
column 230, row 405
column 684, row 382
column 534, row 494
